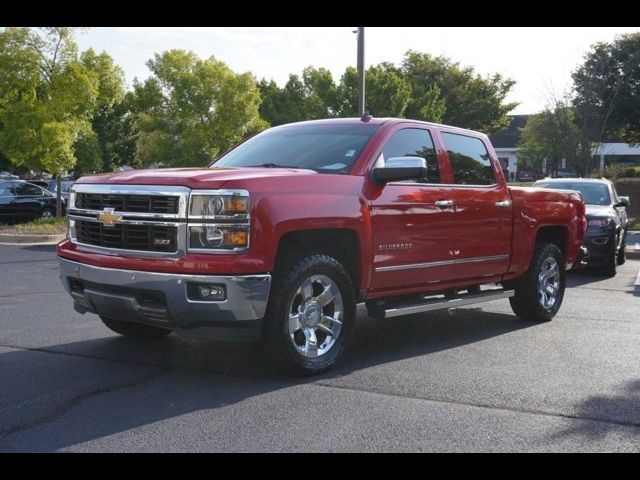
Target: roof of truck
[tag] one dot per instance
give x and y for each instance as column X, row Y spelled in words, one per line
column 375, row 121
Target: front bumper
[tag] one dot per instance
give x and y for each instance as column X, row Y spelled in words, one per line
column 160, row 299
column 600, row 248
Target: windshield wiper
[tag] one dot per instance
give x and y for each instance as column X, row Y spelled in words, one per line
column 271, row 165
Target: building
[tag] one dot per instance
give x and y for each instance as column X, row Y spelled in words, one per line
column 505, row 144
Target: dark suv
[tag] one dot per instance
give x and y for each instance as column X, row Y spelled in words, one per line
column 606, row 233
column 20, row 200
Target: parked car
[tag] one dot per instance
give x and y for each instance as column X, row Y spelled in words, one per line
column 606, row 235
column 405, row 216
column 20, row 200
column 52, row 186
column 8, row 176
column 525, row 176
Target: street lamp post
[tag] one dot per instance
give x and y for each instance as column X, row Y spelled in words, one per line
column 360, row 71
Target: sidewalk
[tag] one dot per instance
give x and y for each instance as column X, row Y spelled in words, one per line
column 633, row 244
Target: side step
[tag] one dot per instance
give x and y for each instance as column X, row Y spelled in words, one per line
column 440, row 302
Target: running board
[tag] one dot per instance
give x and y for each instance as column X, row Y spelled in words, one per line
column 397, row 310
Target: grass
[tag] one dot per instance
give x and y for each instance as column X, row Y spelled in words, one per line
column 41, row 226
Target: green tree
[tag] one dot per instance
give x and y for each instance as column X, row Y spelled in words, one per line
column 116, row 133
column 283, row 105
column 192, row 109
column 442, row 90
column 607, row 91
column 311, row 97
column 110, row 141
column 47, row 98
column 551, row 135
column 387, row 92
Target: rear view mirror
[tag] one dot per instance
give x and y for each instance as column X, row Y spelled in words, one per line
column 623, row 201
column 401, row 168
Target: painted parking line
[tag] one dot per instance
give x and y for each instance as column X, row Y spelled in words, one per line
column 637, row 284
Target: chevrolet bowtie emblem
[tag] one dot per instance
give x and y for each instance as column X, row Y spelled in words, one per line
column 108, row 218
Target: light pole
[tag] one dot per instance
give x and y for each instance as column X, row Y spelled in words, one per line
column 360, row 71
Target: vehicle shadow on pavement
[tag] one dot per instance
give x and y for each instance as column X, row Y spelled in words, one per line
column 109, row 386
column 590, row 276
column 584, row 276
column 621, row 411
column 380, row 341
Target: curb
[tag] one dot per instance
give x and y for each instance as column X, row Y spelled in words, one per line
column 17, row 239
column 635, row 254
column 633, row 244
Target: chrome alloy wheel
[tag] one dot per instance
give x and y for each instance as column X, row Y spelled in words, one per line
column 315, row 316
column 549, row 283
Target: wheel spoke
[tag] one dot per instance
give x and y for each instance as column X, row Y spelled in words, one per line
column 311, row 342
column 552, row 272
column 306, row 289
column 551, row 290
column 330, row 325
column 327, row 296
column 294, row 322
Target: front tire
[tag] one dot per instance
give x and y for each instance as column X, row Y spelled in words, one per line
column 310, row 314
column 610, row 269
column 622, row 252
column 132, row 329
column 540, row 293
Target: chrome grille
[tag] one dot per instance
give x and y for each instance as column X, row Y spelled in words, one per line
column 128, row 203
column 128, row 236
column 129, row 219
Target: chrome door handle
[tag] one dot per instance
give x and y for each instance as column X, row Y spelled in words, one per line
column 503, row 203
column 444, row 203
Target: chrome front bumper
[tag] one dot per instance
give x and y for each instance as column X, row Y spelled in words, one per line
column 160, row 299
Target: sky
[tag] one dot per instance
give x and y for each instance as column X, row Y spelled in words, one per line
column 539, row 59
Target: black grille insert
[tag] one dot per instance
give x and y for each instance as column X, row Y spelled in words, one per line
column 128, row 203
column 154, row 238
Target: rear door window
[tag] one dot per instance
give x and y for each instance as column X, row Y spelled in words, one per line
column 26, row 190
column 469, row 159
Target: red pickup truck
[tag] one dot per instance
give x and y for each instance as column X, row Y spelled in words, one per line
column 279, row 239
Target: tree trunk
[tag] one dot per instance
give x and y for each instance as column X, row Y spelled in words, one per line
column 58, row 196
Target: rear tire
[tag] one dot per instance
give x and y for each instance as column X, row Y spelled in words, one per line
column 310, row 314
column 132, row 329
column 540, row 293
column 47, row 213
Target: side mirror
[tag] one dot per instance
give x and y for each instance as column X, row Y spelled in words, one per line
column 401, row 168
column 623, row 202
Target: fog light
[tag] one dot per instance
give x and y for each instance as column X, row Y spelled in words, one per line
column 205, row 292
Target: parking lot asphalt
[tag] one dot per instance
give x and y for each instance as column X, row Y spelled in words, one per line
column 476, row 380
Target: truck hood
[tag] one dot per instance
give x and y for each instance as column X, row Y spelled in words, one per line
column 192, row 177
column 600, row 211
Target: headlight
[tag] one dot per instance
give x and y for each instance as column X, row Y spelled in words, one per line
column 219, row 221
column 219, row 237
column 226, row 205
column 599, row 222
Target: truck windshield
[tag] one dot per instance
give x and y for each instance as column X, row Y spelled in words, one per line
column 593, row 193
column 323, row 148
